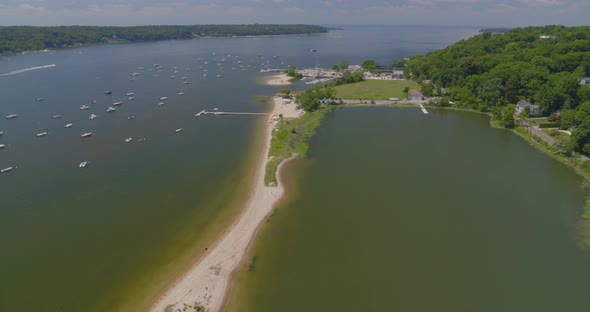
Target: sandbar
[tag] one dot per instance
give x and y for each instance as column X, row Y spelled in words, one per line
column 207, row 282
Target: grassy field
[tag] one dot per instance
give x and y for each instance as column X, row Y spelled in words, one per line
column 375, row 89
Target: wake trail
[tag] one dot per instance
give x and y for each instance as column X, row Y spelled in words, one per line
column 20, row 71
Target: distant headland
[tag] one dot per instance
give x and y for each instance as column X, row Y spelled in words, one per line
column 17, row 39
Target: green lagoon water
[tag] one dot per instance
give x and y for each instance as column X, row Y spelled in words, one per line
column 395, row 210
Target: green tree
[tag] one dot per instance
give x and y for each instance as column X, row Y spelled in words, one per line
column 343, row 64
column 406, row 91
column 507, row 118
column 567, row 120
column 369, row 65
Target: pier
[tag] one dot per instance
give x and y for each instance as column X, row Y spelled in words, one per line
column 423, row 109
column 204, row 112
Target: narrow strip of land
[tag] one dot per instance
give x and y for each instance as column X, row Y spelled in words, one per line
column 207, row 281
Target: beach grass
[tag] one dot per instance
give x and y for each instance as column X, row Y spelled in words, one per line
column 375, row 89
column 291, row 136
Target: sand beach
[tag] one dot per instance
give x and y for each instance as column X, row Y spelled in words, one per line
column 207, row 282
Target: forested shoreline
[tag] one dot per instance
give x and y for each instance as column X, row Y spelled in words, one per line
column 491, row 72
column 16, row 39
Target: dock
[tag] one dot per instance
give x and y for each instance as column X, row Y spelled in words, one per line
column 423, row 109
column 204, row 112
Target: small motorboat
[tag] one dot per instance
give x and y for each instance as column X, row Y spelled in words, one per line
column 84, row 107
column 92, row 116
column 41, row 134
column 186, row 82
column 180, row 93
column 130, row 117
column 163, row 98
column 108, row 92
column 86, row 135
column 68, row 125
column 40, row 99
column 130, row 94
column 1, row 133
column 111, row 109
column 215, row 109
column 2, row 146
column 178, row 130
column 56, row 116
column 131, row 98
column 117, row 103
column 83, row 164
column 7, row 169
column 161, row 103
column 128, row 140
column 11, row 116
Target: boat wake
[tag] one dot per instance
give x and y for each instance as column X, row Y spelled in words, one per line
column 20, row 71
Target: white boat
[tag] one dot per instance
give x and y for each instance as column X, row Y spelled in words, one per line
column 41, row 134
column 178, row 130
column 1, row 133
column 161, row 103
column 56, row 116
column 215, row 109
column 2, row 146
column 186, row 82
column 218, row 76
column 93, row 102
column 92, row 116
column 86, row 135
column 131, row 98
column 184, row 78
column 130, row 94
column 180, row 93
column 128, row 140
column 40, row 99
column 130, row 117
column 163, row 98
column 84, row 107
column 117, row 103
column 83, row 164
column 6, row 169
column 11, row 116
column 111, row 109
column 68, row 125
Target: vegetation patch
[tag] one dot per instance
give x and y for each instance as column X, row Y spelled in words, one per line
column 375, row 89
column 291, row 136
column 14, row 39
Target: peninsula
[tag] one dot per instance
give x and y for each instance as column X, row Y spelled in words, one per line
column 17, row 39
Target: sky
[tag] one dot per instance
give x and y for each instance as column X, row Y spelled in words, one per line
column 499, row 13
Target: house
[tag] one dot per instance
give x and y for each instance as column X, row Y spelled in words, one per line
column 415, row 95
column 533, row 109
column 585, row 81
column 545, row 37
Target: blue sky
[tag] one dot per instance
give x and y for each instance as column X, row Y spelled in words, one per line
column 430, row 12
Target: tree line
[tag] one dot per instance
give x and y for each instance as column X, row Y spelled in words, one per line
column 15, row 39
column 489, row 72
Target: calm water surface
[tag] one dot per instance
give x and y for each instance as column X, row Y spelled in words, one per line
column 110, row 236
column 395, row 210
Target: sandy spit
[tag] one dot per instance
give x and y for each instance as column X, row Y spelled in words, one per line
column 277, row 80
column 208, row 280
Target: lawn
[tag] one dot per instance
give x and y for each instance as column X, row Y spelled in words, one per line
column 375, row 89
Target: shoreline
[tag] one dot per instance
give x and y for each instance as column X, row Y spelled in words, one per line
column 82, row 45
column 208, row 281
column 280, row 79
